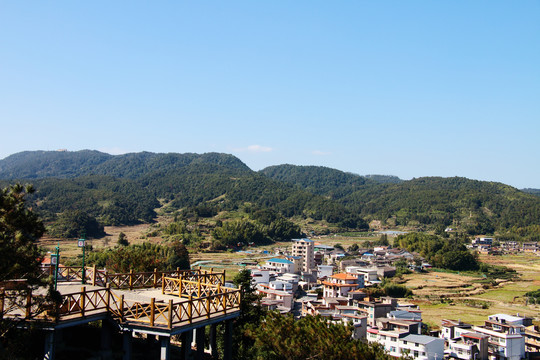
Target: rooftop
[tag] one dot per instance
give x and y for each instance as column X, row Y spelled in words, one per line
column 420, row 339
column 282, row 261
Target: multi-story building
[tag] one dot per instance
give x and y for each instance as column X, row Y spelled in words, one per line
column 304, row 248
column 532, row 339
column 339, row 285
column 377, row 309
column 400, row 343
column 279, row 265
column 469, row 346
column 506, row 336
column 451, row 329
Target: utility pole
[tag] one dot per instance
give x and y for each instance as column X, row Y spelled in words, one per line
column 82, row 243
column 55, row 259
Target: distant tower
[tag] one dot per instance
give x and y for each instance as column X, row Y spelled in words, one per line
column 304, row 248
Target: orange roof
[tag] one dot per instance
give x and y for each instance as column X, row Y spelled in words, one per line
column 327, row 283
column 343, row 276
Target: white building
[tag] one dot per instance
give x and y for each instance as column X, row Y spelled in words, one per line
column 279, row 265
column 369, row 274
column 260, row 276
column 325, row 271
column 420, row 347
column 506, row 336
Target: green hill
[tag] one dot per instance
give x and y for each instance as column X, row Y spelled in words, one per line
column 127, row 189
column 477, row 207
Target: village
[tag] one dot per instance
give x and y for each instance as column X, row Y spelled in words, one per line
column 315, row 279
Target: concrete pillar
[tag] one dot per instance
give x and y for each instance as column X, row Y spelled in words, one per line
column 213, row 341
column 186, row 337
column 150, row 339
column 106, row 340
column 127, row 345
column 227, row 351
column 199, row 339
column 49, row 345
column 165, row 343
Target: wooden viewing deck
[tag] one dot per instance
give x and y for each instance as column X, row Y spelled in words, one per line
column 153, row 303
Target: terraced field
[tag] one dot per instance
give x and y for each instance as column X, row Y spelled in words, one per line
column 469, row 298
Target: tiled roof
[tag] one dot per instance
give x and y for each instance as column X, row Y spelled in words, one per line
column 343, row 276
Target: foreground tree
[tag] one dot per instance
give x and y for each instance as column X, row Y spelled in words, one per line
column 20, row 228
column 281, row 337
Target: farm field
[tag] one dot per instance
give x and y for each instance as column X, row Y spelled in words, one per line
column 463, row 297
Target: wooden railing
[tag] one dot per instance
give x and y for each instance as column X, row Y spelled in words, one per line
column 201, row 295
column 131, row 280
column 175, row 313
column 183, row 287
column 25, row 305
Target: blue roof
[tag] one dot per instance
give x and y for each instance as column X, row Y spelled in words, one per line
column 278, row 260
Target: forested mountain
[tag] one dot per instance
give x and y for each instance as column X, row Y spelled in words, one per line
column 385, row 179
column 532, row 191
column 475, row 206
column 126, row 189
column 70, row 164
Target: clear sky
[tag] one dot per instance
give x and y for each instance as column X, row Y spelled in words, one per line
column 408, row 88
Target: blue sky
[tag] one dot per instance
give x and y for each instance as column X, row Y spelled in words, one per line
column 409, row 88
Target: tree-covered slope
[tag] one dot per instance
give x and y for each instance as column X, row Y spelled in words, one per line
column 60, row 164
column 126, row 189
column 476, row 206
column 71, row 164
column 319, row 179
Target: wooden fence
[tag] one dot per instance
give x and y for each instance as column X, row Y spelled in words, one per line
column 201, row 294
column 131, row 280
column 16, row 304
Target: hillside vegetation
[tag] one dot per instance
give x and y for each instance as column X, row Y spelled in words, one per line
column 127, row 189
column 477, row 207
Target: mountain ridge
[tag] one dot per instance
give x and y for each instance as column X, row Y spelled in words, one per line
column 106, row 185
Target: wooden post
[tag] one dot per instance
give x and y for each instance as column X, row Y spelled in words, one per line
column 189, row 310
column 152, row 311
column 155, row 278
column 224, row 276
column 224, row 301
column 94, row 275
column 180, row 288
column 29, row 304
column 131, row 279
column 122, row 308
column 83, row 300
column 199, row 287
column 178, row 272
column 108, row 297
column 2, row 296
column 170, row 319
column 162, row 284
column 240, row 296
column 208, row 307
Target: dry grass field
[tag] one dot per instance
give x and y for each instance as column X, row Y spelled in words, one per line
column 463, row 297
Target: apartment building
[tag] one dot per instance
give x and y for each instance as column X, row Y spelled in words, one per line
column 304, row 248
column 506, row 336
column 339, row 285
column 399, row 343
